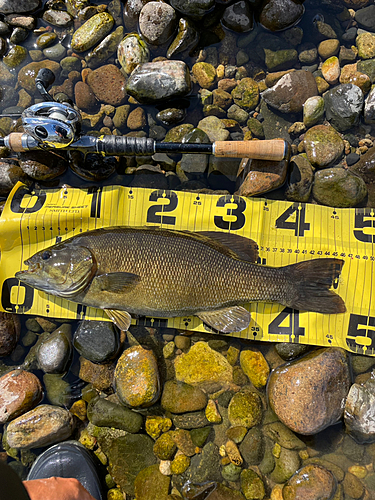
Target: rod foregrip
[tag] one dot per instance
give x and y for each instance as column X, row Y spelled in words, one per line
column 272, row 150
column 123, row 145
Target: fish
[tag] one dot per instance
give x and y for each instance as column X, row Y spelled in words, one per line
column 157, row 272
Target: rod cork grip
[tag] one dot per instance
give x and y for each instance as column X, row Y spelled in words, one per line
column 272, row 150
column 15, row 142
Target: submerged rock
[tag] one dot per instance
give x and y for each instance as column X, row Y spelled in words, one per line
column 310, row 482
column 338, row 187
column 278, row 15
column 108, row 84
column 157, row 81
column 55, row 353
column 323, row 146
column 105, row 49
column 10, row 326
column 308, row 394
column 238, row 17
column 97, row 341
column 157, row 22
column 104, row 413
column 132, row 51
column 343, row 105
column 92, row 31
column 195, row 9
column 359, row 416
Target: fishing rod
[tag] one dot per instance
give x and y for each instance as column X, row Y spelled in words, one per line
column 52, row 125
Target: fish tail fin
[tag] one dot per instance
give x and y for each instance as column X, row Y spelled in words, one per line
column 312, row 280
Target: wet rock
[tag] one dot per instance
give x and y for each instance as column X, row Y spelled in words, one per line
column 179, row 397
column 349, row 74
column 56, row 52
column 261, row 176
column 55, row 353
column 205, row 74
column 149, row 481
column 369, row 109
column 361, row 363
column 20, row 391
column 104, row 413
column 313, row 111
column 280, row 434
column 177, row 134
column 238, row 17
column 246, row 94
column 106, row 48
column 15, row 56
column 317, row 400
column 352, row 486
column 195, row 9
column 359, row 416
column 191, row 420
column 323, row 146
column 157, row 81
column 26, row 431
column 214, row 128
column 165, row 447
column 10, row 328
column 186, row 39
column 291, row 91
column 193, row 163
column 128, row 456
column 108, row 84
column 331, row 70
column 92, row 31
column 328, row 48
column 132, row 51
column 92, row 166
column 121, row 116
column 238, row 114
column 309, row 483
column 202, row 367
column 252, row 447
column 85, row 97
column 245, row 409
column 365, row 17
column 277, row 60
column 27, row 74
column 255, row 367
column 156, row 425
column 343, row 106
column 149, row 176
column 136, row 378
column 300, row 180
column 276, row 15
column 252, row 485
column 41, row 166
column 100, row 376
column 157, row 22
column 58, row 389
column 255, row 127
column 286, row 464
column 45, row 40
column 57, row 18
column 136, row 119
column 9, row 6
column 337, row 187
column 203, row 467
column 170, row 116
column 365, row 43
column 97, row 341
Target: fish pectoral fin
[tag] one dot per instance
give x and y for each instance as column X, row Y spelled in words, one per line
column 226, row 320
column 117, row 282
column 121, row 319
column 244, row 248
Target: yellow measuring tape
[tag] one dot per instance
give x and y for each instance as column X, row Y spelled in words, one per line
column 285, row 232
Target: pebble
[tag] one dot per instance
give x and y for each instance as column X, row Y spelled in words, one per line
column 317, row 400
column 85, row 98
column 343, row 106
column 203, row 367
column 205, row 74
column 179, row 397
column 136, row 119
column 359, row 414
column 337, row 187
column 92, row 31
column 214, row 128
column 58, row 18
column 150, row 480
column 157, row 81
column 278, row 15
column 136, row 378
column 108, row 84
column 41, row 165
column 104, row 413
column 309, row 483
column 291, row 91
column 97, row 341
column 20, row 391
column 106, row 48
column 100, row 376
column 245, row 409
column 246, row 94
column 10, row 326
column 55, row 53
column 323, row 146
column 255, row 367
column 132, row 51
column 313, row 111
column 252, row 485
column 365, row 43
column 54, row 354
column 238, row 17
column 195, row 9
column 10, row 6
column 154, row 426
column 25, row 432
column 186, row 39
column 328, row 48
column 261, row 176
column 157, row 22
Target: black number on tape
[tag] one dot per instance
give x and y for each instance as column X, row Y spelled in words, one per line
column 361, row 333
column 299, row 226
column 293, row 329
column 96, row 201
column 153, row 213
column 360, row 224
column 237, row 212
column 22, row 191
column 6, row 295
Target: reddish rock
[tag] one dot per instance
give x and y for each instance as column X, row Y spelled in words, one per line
column 85, row 98
column 10, row 328
column 136, row 119
column 309, row 394
column 20, row 391
column 108, row 85
column 261, row 176
column 100, row 376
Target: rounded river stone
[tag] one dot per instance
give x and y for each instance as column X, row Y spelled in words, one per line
column 309, row 483
column 323, row 146
column 104, row 413
column 92, row 31
column 19, row 392
column 337, row 187
column 97, row 341
column 179, row 397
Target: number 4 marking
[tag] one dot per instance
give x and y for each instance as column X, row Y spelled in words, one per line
column 299, row 226
column 293, row 329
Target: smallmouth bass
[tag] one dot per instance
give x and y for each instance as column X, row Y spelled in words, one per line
column 155, row 272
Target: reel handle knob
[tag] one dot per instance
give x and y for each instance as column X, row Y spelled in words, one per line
column 43, row 80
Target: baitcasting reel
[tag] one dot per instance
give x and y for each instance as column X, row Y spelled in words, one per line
column 51, row 123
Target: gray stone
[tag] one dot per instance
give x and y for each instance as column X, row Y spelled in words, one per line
column 97, row 341
column 17, row 6
column 369, row 109
column 132, row 51
column 365, row 17
column 157, row 22
column 343, row 105
column 57, row 18
column 252, row 447
column 55, row 353
column 104, row 413
column 195, row 9
column 238, row 17
column 156, row 81
column 56, row 52
column 359, row 416
column 280, row 14
column 337, row 187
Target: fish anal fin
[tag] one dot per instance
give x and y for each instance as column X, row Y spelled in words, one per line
column 244, row 248
column 117, row 282
column 121, row 319
column 226, row 320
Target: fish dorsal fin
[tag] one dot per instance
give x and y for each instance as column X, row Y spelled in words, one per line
column 117, row 282
column 244, row 248
column 226, row 320
column 121, row 319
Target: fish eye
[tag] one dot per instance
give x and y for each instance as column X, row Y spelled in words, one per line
column 46, row 255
